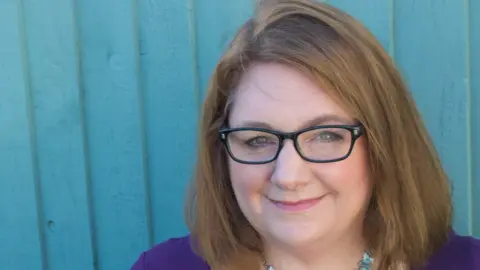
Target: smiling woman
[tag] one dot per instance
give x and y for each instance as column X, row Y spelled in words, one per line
column 302, row 199
column 313, row 155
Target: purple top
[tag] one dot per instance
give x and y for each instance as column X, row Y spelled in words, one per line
column 460, row 252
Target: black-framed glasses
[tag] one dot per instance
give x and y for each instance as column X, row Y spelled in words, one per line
column 318, row 144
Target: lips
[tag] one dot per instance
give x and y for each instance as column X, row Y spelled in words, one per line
column 296, row 206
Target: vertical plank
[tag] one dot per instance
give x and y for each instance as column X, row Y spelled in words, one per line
column 430, row 48
column 167, row 49
column 53, row 60
column 113, row 112
column 474, row 16
column 18, row 213
column 376, row 15
column 216, row 22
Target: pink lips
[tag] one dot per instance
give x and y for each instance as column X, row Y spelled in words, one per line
column 296, row 206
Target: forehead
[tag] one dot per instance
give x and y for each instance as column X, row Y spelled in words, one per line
column 281, row 97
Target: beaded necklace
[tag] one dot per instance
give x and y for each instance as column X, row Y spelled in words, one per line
column 364, row 264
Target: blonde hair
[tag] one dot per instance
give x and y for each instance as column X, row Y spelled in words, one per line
column 410, row 212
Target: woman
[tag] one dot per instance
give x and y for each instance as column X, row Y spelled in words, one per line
column 313, row 156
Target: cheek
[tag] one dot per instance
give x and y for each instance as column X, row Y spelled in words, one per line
column 248, row 181
column 349, row 178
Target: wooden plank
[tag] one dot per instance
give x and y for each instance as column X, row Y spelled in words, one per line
column 20, row 237
column 376, row 15
column 216, row 22
column 168, row 66
column 475, row 110
column 430, row 47
column 51, row 33
column 114, row 117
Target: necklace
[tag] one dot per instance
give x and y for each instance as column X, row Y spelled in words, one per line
column 364, row 264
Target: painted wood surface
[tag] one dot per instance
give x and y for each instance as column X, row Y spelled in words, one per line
column 434, row 64
column 99, row 106
column 114, row 130
column 21, row 224
column 473, row 80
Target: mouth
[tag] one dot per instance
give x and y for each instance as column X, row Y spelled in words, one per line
column 296, row 206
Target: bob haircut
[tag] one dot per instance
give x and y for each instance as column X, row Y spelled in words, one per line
column 409, row 216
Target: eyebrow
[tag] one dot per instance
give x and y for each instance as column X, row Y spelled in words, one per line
column 316, row 121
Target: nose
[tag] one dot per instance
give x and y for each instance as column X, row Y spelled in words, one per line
column 290, row 171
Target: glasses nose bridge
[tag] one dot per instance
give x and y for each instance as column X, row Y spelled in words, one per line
column 288, row 136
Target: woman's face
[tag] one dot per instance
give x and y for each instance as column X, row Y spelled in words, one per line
column 291, row 201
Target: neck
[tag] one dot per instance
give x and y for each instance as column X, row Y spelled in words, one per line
column 337, row 253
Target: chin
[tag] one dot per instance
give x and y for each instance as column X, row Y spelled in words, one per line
column 299, row 234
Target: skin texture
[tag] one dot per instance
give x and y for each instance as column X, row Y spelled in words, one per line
column 328, row 233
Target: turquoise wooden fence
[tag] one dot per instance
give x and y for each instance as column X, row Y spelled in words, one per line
column 99, row 102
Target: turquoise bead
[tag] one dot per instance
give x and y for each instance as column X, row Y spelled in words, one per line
column 364, row 264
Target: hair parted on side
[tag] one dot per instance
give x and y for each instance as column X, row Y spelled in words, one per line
column 410, row 213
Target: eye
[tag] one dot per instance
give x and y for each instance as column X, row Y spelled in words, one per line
column 328, row 136
column 259, row 141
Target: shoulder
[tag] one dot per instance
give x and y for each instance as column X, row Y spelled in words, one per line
column 174, row 254
column 460, row 252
